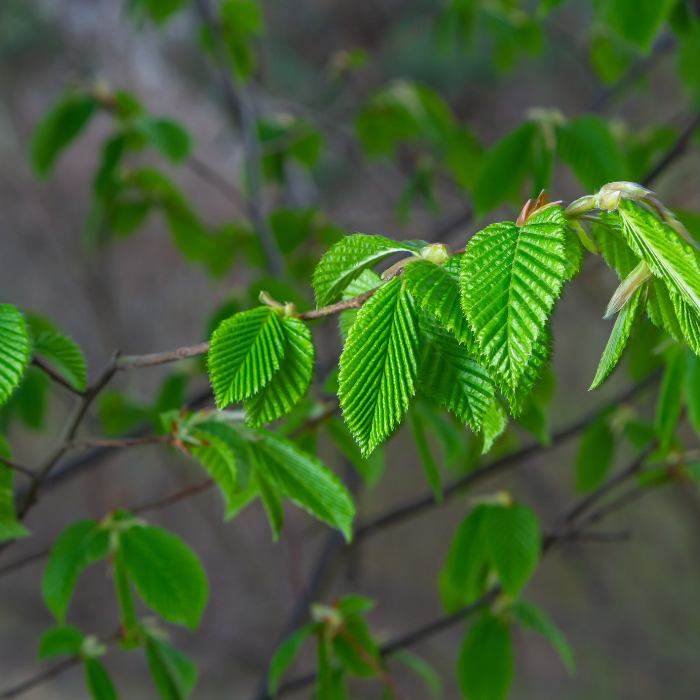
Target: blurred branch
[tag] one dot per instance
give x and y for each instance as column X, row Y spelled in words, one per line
column 40, row 678
column 18, row 468
column 24, row 561
column 55, row 376
column 206, row 173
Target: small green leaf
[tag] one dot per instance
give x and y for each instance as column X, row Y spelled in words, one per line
column 246, row 351
column 354, row 604
column 169, row 137
column 65, row 356
column 595, row 455
column 353, row 637
column 430, row 467
column 152, row 556
column 637, row 21
column 217, row 457
column 533, row 617
column 10, row 527
column 98, row 681
column 173, row 673
column 691, row 389
column 494, row 425
column 371, row 468
column 284, row 656
column 272, row 503
column 668, row 407
column 486, row 661
column 60, row 641
column 79, row 545
column 421, row 668
column 15, row 350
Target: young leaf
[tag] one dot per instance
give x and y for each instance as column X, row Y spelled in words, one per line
column 58, row 127
column 668, row 408
column 638, row 21
column 346, row 260
column 152, row 556
column 65, row 356
column 305, row 481
column 272, row 502
column 367, row 281
column 289, row 384
column 285, row 655
column 436, row 291
column 60, row 641
column 79, row 545
column 595, row 454
column 511, row 278
column 173, row 673
column 15, row 350
column 691, row 389
column 617, row 342
column 10, row 527
column 378, row 366
column 426, row 456
column 167, row 136
column 494, row 424
column 613, row 245
column 246, row 351
column 370, row 468
column 98, row 681
column 513, row 542
column 421, row 668
column 533, row 617
column 486, row 660
column 353, row 637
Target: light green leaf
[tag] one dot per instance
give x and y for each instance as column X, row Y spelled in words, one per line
column 152, row 556
column 637, row 21
column 485, row 663
column 511, row 279
column 65, row 356
column 668, row 407
column 173, row 673
column 533, row 617
column 595, row 455
column 60, row 641
column 367, row 281
column 10, row 527
column 372, row 467
column 494, row 424
column 421, row 668
column 617, row 342
column 453, row 378
column 346, row 260
column 58, row 127
column 436, row 291
column 246, row 351
column 285, row 655
column 513, row 542
column 378, row 366
column 15, row 350
column 430, row 467
column 613, row 245
column 356, row 636
column 290, row 383
column 79, row 545
column 169, row 137
column 98, row 681
column 217, row 457
column 691, row 389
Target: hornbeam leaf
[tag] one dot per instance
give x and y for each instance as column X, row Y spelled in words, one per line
column 455, row 379
column 379, row 365
column 661, row 311
column 65, row 356
column 436, row 291
column 289, row 384
column 364, row 283
column 15, row 350
column 611, row 241
column 10, row 527
column 346, row 260
column 511, row 278
column 495, row 423
column 246, row 351
column 619, row 337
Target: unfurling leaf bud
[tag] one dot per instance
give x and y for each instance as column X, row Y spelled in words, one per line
column 581, row 205
column 436, row 253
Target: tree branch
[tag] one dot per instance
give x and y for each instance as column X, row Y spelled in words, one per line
column 18, row 468
column 55, row 376
column 39, row 679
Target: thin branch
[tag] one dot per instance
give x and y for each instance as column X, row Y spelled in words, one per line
column 180, row 495
column 18, row 468
column 216, row 180
column 126, row 442
column 39, row 679
column 55, row 376
column 24, row 561
column 161, row 358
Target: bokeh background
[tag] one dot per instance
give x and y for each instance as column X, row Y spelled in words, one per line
column 629, row 609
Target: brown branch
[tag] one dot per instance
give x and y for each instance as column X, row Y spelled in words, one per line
column 161, row 358
column 24, row 561
column 55, row 376
column 39, row 679
column 217, row 181
column 180, row 495
column 126, row 442
column 25, row 471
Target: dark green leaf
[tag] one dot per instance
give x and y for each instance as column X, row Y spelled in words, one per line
column 372, row 467
column 173, row 673
column 65, row 356
column 430, row 467
column 637, row 21
column 668, row 408
column 98, row 681
column 166, row 135
column 285, row 655
column 595, row 454
column 60, row 641
column 692, row 389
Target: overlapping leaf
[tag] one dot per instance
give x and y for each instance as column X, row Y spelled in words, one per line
column 10, row 527
column 367, row 281
column 64, row 355
column 346, row 260
column 15, row 349
column 379, row 365
column 511, row 278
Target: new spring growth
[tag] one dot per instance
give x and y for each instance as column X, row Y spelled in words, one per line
column 435, row 252
column 286, row 310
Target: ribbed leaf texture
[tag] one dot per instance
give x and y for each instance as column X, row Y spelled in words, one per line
column 304, row 480
column 366, row 281
column 453, row 378
column 436, row 291
column 494, row 424
column 65, row 356
column 379, row 365
column 15, row 350
column 613, row 246
column 670, row 312
column 289, row 384
column 617, row 342
column 511, row 278
column 246, row 350
column 346, row 260
column 517, row 398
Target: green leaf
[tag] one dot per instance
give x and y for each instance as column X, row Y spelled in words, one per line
column 587, row 145
column 173, row 673
column 98, row 681
column 151, row 557
column 65, row 356
column 668, row 407
column 290, row 383
column 372, row 467
column 367, row 281
column 15, row 350
column 58, row 127
column 158, row 10
column 638, row 21
column 511, row 278
column 613, row 245
column 617, row 342
column 60, row 641
column 486, row 661
column 689, row 61
column 284, row 656
column 430, row 467
column 691, row 389
column 354, row 604
column 514, row 542
column 292, row 227
column 436, row 291
column 595, row 455
column 504, row 167
column 533, row 617
column 463, row 578
column 494, row 424
column 10, row 527
column 79, row 545
column 246, row 351
column 379, row 365
column 453, row 378
column 347, row 259
column 169, row 137
column 421, row 668
column 353, row 636
column 271, row 502
column 305, row 481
